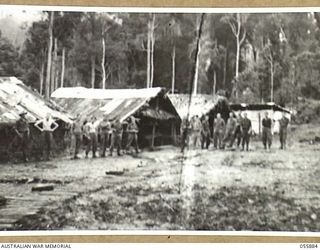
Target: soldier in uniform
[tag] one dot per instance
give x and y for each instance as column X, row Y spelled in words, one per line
column 246, row 131
column 116, row 138
column 230, row 130
column 205, row 132
column 218, row 131
column 92, row 136
column 77, row 132
column 22, row 136
column 266, row 131
column 196, row 130
column 283, row 127
column 184, row 133
column 238, row 132
column 47, row 128
column 105, row 132
column 132, row 130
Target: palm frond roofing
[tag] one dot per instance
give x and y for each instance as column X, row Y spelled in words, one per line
column 15, row 98
column 199, row 104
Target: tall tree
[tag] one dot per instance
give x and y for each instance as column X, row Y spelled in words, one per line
column 236, row 23
column 49, row 58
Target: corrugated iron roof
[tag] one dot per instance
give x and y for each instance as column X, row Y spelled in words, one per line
column 116, row 103
column 15, row 98
column 198, row 105
column 82, row 92
column 258, row 106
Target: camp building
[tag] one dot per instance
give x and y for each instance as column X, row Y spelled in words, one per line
column 16, row 98
column 256, row 113
column 157, row 117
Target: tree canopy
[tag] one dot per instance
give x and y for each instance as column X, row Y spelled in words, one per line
column 260, row 57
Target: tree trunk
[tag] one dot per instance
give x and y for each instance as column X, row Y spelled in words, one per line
column 62, row 66
column 225, row 67
column 93, row 70
column 237, row 69
column 119, row 75
column 48, row 73
column 173, row 69
column 196, row 75
column 103, row 85
column 53, row 66
column 41, row 77
column 148, row 54
column 152, row 50
column 214, row 82
column 56, row 79
column 271, row 80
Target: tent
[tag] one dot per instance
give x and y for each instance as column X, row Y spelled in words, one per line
column 155, row 112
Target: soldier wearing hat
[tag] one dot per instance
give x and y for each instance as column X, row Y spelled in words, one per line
column 132, row 130
column 22, row 136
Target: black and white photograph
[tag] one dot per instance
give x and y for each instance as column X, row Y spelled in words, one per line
column 159, row 119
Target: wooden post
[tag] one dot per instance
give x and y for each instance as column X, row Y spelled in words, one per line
column 259, row 118
column 153, row 134
column 173, row 133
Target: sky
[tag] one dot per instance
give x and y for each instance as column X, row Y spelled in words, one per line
column 20, row 16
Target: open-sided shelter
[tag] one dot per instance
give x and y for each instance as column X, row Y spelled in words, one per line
column 200, row 104
column 156, row 115
column 16, row 98
column 256, row 113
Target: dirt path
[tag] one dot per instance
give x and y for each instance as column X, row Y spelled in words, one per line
column 201, row 189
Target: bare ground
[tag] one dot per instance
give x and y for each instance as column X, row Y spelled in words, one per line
column 198, row 190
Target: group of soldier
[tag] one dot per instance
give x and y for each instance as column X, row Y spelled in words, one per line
column 196, row 131
column 224, row 134
column 84, row 133
column 110, row 133
column 22, row 135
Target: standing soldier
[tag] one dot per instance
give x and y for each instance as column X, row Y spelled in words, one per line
column 22, row 136
column 205, row 132
column 196, row 130
column 105, row 133
column 91, row 134
column 132, row 130
column 218, row 131
column 116, row 138
column 238, row 132
column 283, row 127
column 246, row 131
column 47, row 128
column 77, row 133
column 184, row 133
column 230, row 130
column 266, row 131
